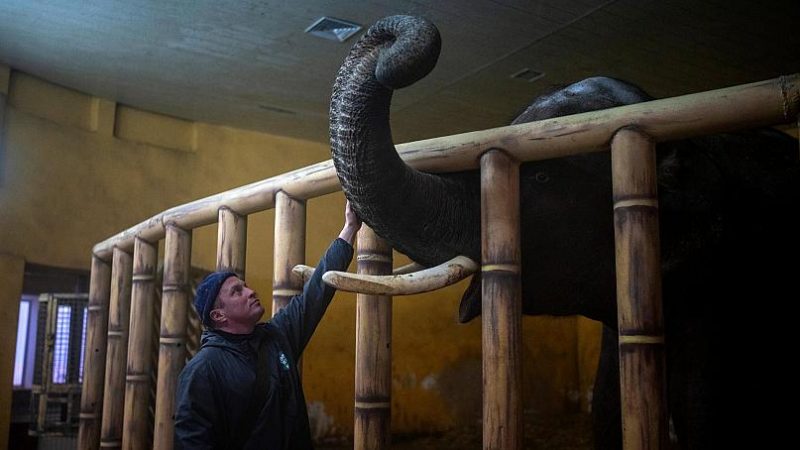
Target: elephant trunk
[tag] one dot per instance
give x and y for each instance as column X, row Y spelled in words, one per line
column 429, row 218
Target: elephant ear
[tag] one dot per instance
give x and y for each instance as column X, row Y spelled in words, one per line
column 470, row 307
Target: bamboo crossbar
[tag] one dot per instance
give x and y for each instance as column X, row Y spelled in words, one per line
column 770, row 102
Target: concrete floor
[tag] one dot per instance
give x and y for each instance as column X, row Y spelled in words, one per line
column 571, row 432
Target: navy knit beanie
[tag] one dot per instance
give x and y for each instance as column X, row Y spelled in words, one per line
column 207, row 293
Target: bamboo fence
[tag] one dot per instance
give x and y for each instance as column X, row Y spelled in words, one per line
column 631, row 132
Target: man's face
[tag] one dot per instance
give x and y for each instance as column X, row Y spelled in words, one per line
column 239, row 303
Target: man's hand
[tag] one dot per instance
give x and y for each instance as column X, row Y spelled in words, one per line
column 351, row 224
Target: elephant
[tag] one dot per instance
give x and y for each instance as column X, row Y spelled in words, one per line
column 729, row 240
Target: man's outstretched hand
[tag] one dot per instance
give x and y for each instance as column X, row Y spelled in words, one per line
column 351, row 224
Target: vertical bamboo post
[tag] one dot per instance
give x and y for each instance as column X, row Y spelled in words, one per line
column 373, row 348
column 172, row 344
column 289, row 249
column 95, row 355
column 118, row 318
column 136, row 433
column 639, row 308
column 3, row 101
column 231, row 242
column 47, row 350
column 501, row 307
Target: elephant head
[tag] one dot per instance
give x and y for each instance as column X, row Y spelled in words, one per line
column 435, row 217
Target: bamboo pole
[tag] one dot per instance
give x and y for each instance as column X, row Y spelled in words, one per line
column 118, row 318
column 136, row 429
column 47, row 355
column 373, row 348
column 3, row 102
column 289, row 250
column 769, row 102
column 174, row 317
column 231, row 242
column 639, row 308
column 502, row 302
column 95, row 355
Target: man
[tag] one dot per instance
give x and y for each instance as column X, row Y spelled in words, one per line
column 242, row 390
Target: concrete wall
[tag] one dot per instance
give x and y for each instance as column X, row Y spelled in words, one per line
column 75, row 170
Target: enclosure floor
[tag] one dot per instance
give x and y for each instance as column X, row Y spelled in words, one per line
column 571, row 432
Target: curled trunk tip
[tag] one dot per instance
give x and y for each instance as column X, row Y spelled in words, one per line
column 412, row 52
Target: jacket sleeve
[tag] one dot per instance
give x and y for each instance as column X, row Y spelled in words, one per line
column 194, row 410
column 300, row 317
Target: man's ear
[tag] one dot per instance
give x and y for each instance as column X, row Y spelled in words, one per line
column 217, row 315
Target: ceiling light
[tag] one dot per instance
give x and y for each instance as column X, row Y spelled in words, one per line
column 527, row 75
column 334, row 29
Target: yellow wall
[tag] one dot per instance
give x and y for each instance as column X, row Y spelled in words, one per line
column 78, row 169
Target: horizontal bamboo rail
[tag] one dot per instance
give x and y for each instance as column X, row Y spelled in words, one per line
column 769, row 102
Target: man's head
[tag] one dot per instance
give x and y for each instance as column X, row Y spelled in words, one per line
column 224, row 302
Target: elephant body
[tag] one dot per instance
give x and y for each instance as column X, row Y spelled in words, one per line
column 727, row 230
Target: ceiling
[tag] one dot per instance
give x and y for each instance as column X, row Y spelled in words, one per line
column 249, row 64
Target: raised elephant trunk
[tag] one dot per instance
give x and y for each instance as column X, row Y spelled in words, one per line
column 426, row 217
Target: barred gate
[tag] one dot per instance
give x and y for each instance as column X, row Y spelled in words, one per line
column 58, row 373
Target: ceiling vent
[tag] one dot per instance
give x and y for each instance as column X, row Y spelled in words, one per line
column 334, row 29
column 527, row 75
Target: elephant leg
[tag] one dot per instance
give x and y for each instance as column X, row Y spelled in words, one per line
column 606, row 415
column 691, row 388
column 724, row 389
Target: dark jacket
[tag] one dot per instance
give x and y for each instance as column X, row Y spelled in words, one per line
column 217, row 395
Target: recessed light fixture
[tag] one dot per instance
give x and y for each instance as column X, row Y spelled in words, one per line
column 334, row 29
column 527, row 75
column 276, row 109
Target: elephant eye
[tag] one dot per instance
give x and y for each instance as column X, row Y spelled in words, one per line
column 541, row 177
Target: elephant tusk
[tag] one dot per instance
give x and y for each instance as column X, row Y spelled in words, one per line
column 426, row 280
column 305, row 272
column 408, row 268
